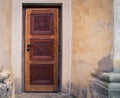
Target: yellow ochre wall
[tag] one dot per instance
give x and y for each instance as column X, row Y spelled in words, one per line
column 92, row 25
column 5, row 33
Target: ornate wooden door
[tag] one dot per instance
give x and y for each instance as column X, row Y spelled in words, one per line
column 41, row 49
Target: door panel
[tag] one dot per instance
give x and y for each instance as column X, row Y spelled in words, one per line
column 41, row 74
column 41, row 49
column 42, row 23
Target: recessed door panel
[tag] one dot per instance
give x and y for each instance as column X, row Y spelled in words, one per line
column 42, row 23
column 42, row 49
column 41, row 74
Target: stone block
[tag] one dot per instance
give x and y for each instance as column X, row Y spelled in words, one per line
column 102, row 89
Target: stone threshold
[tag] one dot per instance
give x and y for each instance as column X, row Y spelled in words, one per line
column 42, row 95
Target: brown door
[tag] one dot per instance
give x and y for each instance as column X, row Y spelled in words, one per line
column 41, row 49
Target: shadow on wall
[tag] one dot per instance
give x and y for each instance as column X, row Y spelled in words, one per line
column 106, row 64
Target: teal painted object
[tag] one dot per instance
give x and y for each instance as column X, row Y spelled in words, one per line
column 105, row 85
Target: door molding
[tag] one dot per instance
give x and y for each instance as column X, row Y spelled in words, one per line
column 17, row 41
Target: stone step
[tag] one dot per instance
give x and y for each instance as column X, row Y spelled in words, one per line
column 42, row 95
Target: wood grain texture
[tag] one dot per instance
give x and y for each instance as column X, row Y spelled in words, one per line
column 42, row 36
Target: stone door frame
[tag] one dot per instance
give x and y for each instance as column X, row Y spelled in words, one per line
column 17, row 42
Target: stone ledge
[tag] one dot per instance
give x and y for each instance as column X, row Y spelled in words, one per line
column 108, row 76
column 103, row 88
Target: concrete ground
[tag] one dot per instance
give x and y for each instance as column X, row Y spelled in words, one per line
column 42, row 95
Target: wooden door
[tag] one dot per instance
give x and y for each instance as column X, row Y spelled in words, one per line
column 41, row 49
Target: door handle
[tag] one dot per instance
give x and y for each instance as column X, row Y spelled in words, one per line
column 28, row 47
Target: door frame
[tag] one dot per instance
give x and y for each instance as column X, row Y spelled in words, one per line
column 17, row 42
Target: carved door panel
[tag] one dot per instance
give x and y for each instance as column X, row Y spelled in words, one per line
column 41, row 49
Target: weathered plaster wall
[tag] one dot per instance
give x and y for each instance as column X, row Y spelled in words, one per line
column 92, row 42
column 5, row 33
